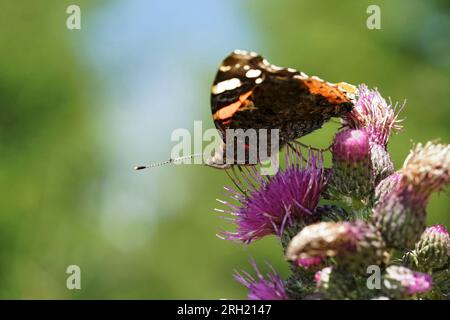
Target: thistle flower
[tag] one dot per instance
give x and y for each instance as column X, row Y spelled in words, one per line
column 401, row 218
column 380, row 119
column 433, row 248
column 374, row 114
column 351, row 146
column 427, row 168
column 341, row 238
column 353, row 245
column 272, row 204
column 269, row 288
column 401, row 215
column 400, row 281
column 352, row 174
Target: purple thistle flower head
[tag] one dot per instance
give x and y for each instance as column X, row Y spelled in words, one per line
column 419, row 283
column 353, row 173
column 324, row 238
column 437, row 229
column 354, row 245
column 373, row 113
column 269, row 205
column 426, row 169
column 406, row 281
column 400, row 214
column 351, row 146
column 270, row 288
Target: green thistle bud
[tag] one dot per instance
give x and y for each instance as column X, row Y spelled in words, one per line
column 386, row 186
column 382, row 166
column 400, row 214
column 335, row 284
column 400, row 219
column 433, row 248
column 409, row 259
column 351, row 176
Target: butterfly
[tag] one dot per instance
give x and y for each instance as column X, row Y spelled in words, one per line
column 248, row 92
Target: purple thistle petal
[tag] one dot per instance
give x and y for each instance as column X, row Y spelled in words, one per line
column 419, row 283
column 275, row 203
column 351, row 146
column 269, row 288
column 310, row 261
column 405, row 280
column 322, row 275
column 437, row 228
column 373, row 113
column 427, row 169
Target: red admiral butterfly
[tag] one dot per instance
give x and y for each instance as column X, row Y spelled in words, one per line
column 250, row 93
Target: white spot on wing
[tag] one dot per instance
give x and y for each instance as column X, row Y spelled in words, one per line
column 259, row 80
column 274, row 67
column 226, row 85
column 224, row 68
column 253, row 73
column 243, row 52
column 301, row 76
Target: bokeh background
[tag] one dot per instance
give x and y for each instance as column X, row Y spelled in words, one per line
column 79, row 108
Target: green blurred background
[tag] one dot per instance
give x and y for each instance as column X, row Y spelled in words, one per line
column 79, row 108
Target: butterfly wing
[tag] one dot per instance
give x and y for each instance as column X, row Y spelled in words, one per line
column 250, row 93
column 234, row 82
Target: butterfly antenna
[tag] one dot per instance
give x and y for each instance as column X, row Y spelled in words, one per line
column 171, row 160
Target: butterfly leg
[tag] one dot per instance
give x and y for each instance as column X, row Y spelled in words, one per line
column 309, row 147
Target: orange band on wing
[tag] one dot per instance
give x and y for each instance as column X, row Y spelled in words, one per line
column 332, row 93
column 229, row 110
